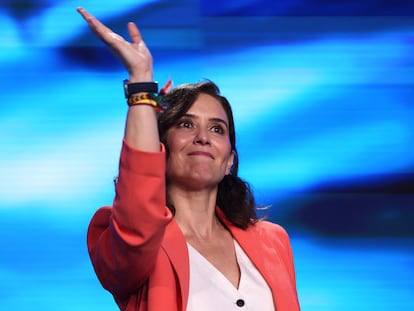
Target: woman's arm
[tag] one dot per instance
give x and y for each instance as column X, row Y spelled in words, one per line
column 141, row 131
column 124, row 240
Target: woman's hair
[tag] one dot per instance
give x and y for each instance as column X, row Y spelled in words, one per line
column 234, row 196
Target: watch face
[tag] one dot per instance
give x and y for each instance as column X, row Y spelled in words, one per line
column 126, row 88
column 139, row 87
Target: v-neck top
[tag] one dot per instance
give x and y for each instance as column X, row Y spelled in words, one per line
column 211, row 290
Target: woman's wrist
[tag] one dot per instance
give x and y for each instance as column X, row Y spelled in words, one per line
column 141, row 77
column 140, row 80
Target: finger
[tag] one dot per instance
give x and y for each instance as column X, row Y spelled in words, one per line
column 103, row 32
column 134, row 33
column 93, row 23
column 86, row 16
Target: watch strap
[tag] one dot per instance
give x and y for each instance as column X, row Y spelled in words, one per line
column 139, row 87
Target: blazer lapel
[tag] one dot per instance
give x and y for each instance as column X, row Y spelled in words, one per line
column 175, row 247
column 265, row 254
column 264, row 251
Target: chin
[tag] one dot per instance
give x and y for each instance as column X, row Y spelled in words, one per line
column 201, row 182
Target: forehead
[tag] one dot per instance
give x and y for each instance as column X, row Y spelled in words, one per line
column 207, row 105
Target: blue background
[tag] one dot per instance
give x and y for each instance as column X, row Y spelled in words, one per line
column 323, row 98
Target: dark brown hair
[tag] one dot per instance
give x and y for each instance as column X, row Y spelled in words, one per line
column 234, row 196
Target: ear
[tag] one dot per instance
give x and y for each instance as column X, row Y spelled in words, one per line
column 230, row 162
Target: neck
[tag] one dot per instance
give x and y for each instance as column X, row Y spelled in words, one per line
column 195, row 212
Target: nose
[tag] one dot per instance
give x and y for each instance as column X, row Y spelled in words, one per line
column 201, row 137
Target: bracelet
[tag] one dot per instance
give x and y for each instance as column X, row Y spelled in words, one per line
column 140, row 87
column 143, row 99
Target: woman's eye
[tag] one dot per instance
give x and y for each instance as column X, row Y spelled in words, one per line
column 217, row 129
column 185, row 124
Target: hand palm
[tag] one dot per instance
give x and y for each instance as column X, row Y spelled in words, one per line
column 135, row 55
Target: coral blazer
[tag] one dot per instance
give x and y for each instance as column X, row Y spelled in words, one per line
column 140, row 254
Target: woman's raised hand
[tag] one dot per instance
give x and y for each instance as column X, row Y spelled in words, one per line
column 135, row 55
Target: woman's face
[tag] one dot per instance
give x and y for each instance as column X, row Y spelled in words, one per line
column 199, row 146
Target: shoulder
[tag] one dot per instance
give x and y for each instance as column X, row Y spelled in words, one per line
column 101, row 217
column 267, row 227
column 270, row 232
column 98, row 224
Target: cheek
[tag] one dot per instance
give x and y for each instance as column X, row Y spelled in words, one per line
column 226, row 147
column 176, row 141
column 176, row 144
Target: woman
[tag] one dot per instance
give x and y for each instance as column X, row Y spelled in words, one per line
column 182, row 233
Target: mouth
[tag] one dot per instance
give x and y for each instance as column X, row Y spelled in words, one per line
column 201, row 154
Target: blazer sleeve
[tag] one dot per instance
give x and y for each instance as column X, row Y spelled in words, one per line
column 289, row 263
column 275, row 235
column 124, row 240
column 290, row 260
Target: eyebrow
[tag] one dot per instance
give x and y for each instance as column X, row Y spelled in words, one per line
column 219, row 120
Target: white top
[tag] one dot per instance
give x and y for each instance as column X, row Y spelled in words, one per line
column 211, row 290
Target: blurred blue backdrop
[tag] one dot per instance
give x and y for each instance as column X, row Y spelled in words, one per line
column 324, row 106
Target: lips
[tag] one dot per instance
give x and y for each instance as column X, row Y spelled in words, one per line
column 201, row 153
